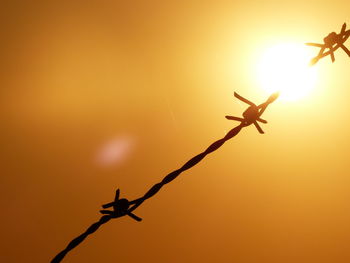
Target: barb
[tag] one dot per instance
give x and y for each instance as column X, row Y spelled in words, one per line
column 121, row 207
column 331, row 42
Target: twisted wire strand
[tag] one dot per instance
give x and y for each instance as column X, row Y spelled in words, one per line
column 171, row 176
column 76, row 241
column 154, row 189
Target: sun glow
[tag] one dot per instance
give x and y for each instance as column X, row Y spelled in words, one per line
column 285, row 68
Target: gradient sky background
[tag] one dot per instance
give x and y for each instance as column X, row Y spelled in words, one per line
column 157, row 79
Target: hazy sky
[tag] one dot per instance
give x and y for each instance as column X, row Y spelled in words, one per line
column 115, row 94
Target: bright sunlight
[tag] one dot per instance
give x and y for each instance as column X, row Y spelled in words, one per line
column 285, row 68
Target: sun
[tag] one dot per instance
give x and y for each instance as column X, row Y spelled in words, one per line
column 285, row 68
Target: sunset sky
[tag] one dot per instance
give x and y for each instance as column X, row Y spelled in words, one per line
column 99, row 95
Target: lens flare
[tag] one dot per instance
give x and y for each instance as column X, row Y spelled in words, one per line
column 115, row 151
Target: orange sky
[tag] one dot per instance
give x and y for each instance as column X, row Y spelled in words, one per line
column 161, row 75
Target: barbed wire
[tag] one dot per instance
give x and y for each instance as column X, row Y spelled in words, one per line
column 153, row 190
column 121, row 207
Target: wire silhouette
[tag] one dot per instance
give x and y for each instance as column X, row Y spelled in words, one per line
column 331, row 42
column 121, row 207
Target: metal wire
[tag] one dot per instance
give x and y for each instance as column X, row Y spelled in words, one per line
column 151, row 192
column 122, row 207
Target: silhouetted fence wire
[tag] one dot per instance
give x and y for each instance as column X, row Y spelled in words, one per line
column 154, row 189
column 121, row 207
column 333, row 41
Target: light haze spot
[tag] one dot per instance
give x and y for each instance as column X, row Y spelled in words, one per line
column 115, row 151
